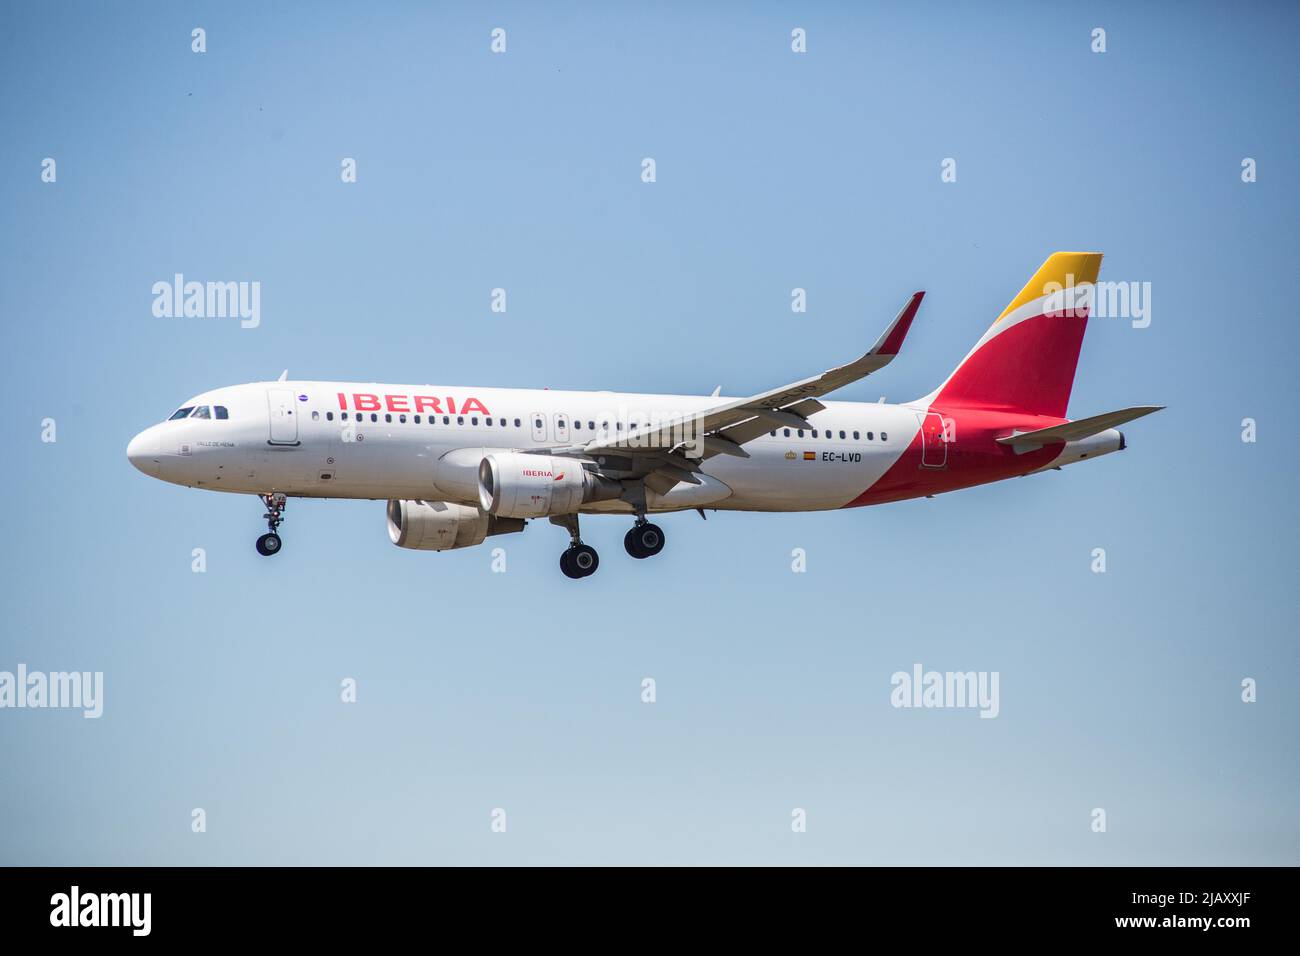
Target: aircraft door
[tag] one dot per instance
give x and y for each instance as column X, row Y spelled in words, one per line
column 284, row 418
column 934, row 444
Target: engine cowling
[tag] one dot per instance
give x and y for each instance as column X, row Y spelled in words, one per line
column 515, row 485
column 456, row 473
column 443, row 525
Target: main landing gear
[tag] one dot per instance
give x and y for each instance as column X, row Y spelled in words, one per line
column 578, row 560
column 269, row 543
column 643, row 539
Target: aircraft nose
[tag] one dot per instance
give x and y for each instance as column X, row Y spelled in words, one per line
column 143, row 452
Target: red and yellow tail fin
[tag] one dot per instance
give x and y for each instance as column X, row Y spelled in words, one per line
column 1026, row 360
column 1061, row 270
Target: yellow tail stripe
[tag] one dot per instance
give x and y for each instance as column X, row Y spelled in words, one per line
column 1056, row 272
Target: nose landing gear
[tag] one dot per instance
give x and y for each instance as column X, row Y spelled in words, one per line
column 269, row 543
column 643, row 539
column 578, row 560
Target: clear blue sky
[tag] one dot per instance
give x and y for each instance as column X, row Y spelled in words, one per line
column 522, row 690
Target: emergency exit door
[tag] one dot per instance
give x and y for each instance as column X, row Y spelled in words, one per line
column 539, row 426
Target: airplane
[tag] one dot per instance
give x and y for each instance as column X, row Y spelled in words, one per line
column 457, row 465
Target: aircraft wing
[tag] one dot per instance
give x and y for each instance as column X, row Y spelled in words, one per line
column 724, row 428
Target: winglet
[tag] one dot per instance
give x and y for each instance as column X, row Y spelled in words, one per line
column 892, row 340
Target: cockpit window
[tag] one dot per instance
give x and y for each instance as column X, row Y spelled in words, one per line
column 181, row 413
column 202, row 411
column 221, row 411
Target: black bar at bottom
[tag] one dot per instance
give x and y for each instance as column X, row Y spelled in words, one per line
column 207, row 905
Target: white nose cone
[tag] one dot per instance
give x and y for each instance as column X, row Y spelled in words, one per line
column 143, row 452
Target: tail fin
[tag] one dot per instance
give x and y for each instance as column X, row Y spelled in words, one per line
column 1025, row 362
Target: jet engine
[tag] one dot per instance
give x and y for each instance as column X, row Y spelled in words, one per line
column 443, row 525
column 515, row 485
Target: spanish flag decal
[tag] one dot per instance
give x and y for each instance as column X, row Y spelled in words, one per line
column 810, row 456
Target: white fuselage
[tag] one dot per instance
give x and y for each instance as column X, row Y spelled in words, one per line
column 325, row 439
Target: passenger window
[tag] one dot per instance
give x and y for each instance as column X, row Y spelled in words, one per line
column 222, row 414
column 329, row 416
column 503, row 423
column 787, row 433
column 401, row 419
column 460, row 419
column 871, row 436
column 855, row 436
column 841, row 434
column 814, row 433
column 315, row 416
column 884, row 437
column 446, row 419
column 474, row 420
column 591, row 425
column 577, row 424
column 343, row 415
column 374, row 417
column 772, row 433
column 416, row 419
column 202, row 412
column 516, row 423
column 487, row 421
column 800, row 433
column 388, row 418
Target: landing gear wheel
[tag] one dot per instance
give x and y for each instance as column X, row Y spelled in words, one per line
column 579, row 560
column 644, row 540
column 269, row 543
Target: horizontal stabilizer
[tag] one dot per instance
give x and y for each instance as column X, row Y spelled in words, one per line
column 1079, row 429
